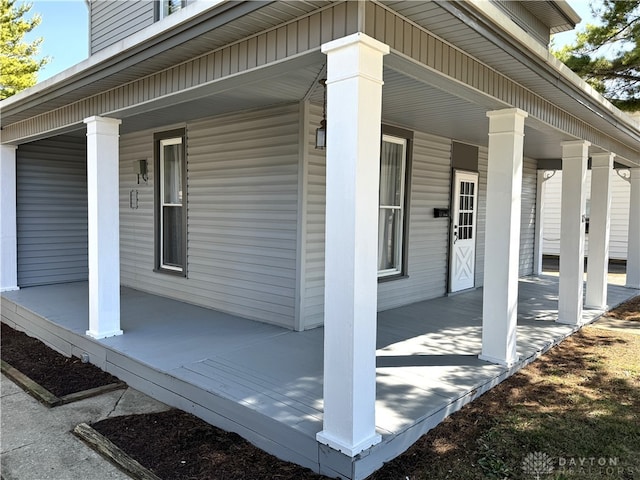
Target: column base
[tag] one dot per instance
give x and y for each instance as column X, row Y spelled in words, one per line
column 499, row 361
column 9, row 289
column 100, row 335
column 351, row 450
column 577, row 322
column 596, row 307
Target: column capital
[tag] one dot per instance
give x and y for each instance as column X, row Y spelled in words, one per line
column 507, row 112
column 575, row 148
column 356, row 56
column 602, row 160
column 8, row 147
column 508, row 120
column 355, row 39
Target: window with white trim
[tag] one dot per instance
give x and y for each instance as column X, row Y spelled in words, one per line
column 170, row 201
column 393, row 166
column 167, row 7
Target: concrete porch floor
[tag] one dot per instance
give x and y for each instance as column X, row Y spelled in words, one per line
column 265, row 382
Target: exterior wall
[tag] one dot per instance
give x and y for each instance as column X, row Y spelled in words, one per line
column 242, row 208
column 481, row 214
column 52, row 211
column 428, row 236
column 528, row 218
column 619, row 216
column 111, row 21
column 528, row 215
column 526, row 20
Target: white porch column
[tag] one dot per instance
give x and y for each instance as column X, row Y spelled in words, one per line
column 599, row 227
column 502, row 236
column 104, row 226
column 8, row 229
column 574, row 170
column 354, row 108
column 633, row 243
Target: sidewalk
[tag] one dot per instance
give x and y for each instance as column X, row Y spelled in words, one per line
column 36, row 442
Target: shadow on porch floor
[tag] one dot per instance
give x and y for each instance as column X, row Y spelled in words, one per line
column 265, row 382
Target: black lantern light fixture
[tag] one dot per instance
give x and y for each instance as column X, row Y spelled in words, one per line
column 321, row 131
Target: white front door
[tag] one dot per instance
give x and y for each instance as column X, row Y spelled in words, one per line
column 463, row 234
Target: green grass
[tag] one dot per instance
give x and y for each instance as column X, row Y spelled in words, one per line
column 579, row 405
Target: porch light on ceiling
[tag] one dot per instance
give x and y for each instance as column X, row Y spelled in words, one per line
column 321, row 131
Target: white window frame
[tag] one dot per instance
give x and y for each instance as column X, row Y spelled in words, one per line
column 163, row 3
column 399, row 246
column 163, row 143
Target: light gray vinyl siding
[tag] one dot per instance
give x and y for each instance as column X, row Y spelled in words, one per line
column 111, row 21
column 312, row 314
column 242, row 210
column 525, row 20
column 528, row 216
column 527, row 220
column 428, row 236
column 481, row 214
column 52, row 211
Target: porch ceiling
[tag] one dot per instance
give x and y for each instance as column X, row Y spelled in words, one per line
column 532, row 66
column 412, row 98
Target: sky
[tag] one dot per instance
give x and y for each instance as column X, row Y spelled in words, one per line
column 64, row 29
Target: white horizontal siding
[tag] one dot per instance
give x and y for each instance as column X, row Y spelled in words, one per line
column 620, row 198
column 242, row 209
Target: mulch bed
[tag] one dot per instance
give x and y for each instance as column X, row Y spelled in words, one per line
column 176, row 445
column 60, row 375
column 628, row 311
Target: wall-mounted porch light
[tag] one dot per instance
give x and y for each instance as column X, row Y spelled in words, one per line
column 321, row 131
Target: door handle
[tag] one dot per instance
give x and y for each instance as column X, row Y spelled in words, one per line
column 455, row 234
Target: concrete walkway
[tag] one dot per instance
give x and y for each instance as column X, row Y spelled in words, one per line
column 36, row 442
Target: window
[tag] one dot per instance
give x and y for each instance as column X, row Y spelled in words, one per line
column 167, row 7
column 391, row 223
column 170, row 214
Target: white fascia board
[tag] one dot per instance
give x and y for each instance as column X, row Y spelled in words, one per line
column 118, row 51
column 555, row 66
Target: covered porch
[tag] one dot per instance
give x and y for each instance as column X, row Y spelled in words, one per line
column 266, row 382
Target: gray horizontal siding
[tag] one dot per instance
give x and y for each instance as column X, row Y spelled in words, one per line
column 52, row 211
column 242, row 216
column 527, row 219
column 481, row 214
column 528, row 216
column 428, row 236
column 112, row 21
column 312, row 314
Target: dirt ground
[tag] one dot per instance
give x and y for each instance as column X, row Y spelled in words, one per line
column 55, row 372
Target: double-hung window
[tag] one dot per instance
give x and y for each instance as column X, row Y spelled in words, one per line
column 171, row 202
column 391, row 222
column 167, row 7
